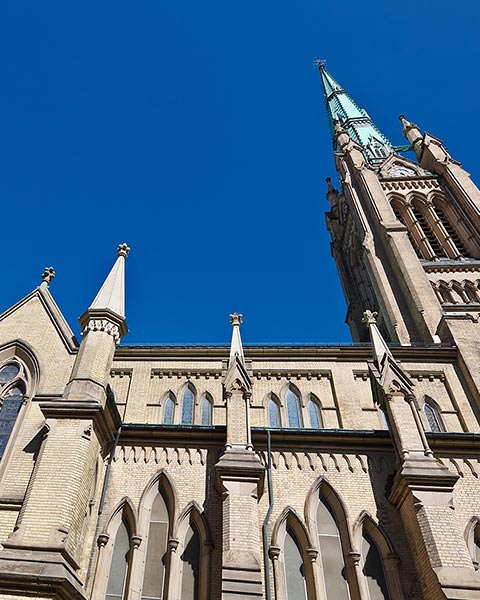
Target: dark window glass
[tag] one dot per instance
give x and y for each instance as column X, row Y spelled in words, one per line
column 168, row 411
column 331, row 554
column 293, row 410
column 118, row 568
column 8, row 372
column 156, row 559
column 314, row 413
column 191, row 565
column 8, row 415
column 294, row 569
column 187, row 407
column 476, row 545
column 273, row 414
column 373, row 570
column 206, row 412
column 432, row 418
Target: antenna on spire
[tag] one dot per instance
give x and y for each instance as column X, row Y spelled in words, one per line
column 319, row 63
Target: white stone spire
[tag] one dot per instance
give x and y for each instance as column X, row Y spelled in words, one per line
column 112, row 293
column 236, row 348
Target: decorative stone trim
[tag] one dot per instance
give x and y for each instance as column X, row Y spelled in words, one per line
column 204, row 373
column 289, row 375
column 118, row 372
column 103, row 325
column 410, row 184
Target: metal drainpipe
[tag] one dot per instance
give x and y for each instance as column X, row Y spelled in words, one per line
column 267, row 517
column 107, row 472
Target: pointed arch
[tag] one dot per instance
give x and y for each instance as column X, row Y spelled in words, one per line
column 379, row 560
column 169, row 402
column 328, row 524
column 190, row 568
column 444, row 292
column 206, row 409
column 471, row 292
column 472, row 538
column 188, row 398
column 432, row 413
column 290, row 551
column 116, row 548
column 314, row 412
column 293, row 404
column 273, row 409
column 157, row 513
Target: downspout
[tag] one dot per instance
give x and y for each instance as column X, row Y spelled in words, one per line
column 107, row 472
column 267, row 518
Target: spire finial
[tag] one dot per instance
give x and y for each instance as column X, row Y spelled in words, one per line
column 236, row 319
column 236, row 348
column 369, row 317
column 123, row 250
column 47, row 275
column 320, row 63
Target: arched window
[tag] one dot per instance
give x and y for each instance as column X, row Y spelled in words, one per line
column 471, row 292
column 427, row 231
column 329, row 543
column 293, row 409
column 451, row 231
column 373, row 570
column 294, row 568
column 117, row 576
column 398, row 211
column 207, row 410
column 433, row 418
column 188, row 402
column 191, row 564
column 476, row 546
column 314, row 413
column 273, row 412
column 168, row 409
column 10, row 407
column 156, row 554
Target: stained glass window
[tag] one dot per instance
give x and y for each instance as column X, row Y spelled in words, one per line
column 206, row 411
column 168, row 411
column 314, row 412
column 432, row 418
column 8, row 372
column 273, row 413
column 8, row 415
column 293, row 409
column 187, row 407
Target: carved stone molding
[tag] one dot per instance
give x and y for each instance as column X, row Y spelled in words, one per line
column 103, row 325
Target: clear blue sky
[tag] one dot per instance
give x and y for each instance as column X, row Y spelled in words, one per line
column 196, row 131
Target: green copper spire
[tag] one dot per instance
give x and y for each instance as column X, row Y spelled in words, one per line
column 352, row 118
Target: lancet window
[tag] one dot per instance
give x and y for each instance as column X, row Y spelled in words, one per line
column 188, row 404
column 294, row 568
column 207, row 407
column 331, row 555
column 292, row 401
column 156, row 555
column 13, row 382
column 168, row 409
column 117, row 576
column 372, row 567
column 191, row 564
column 433, row 417
column 314, row 412
column 273, row 411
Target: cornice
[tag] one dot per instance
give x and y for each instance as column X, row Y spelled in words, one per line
column 451, row 266
column 347, row 353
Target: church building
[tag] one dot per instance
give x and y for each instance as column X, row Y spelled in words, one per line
column 284, row 472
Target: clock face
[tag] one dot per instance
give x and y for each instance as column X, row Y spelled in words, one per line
column 399, row 171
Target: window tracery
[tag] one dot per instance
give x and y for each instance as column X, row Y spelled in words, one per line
column 432, row 414
column 13, row 384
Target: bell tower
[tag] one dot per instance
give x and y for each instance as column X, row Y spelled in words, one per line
column 405, row 233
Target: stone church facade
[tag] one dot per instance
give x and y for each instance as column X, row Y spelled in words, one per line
column 286, row 473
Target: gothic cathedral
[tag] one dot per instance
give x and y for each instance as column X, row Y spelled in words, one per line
column 285, row 473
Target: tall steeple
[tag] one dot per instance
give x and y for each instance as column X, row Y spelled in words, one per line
column 354, row 120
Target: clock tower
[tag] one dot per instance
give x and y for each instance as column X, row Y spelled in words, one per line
column 405, row 232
